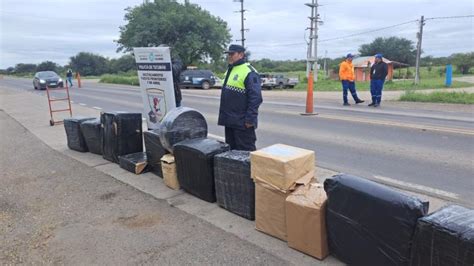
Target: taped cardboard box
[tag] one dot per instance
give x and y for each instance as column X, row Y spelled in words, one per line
column 270, row 213
column 281, row 165
column 306, row 220
column 168, row 167
column 135, row 163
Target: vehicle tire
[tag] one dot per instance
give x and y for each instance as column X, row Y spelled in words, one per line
column 205, row 85
column 34, row 87
column 280, row 85
column 291, row 86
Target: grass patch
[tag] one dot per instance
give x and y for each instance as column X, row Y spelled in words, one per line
column 439, row 97
column 396, row 85
column 119, row 79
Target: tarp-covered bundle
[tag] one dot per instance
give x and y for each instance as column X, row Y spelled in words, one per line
column 195, row 166
column 181, row 124
column 75, row 139
column 445, row 237
column 122, row 134
column 368, row 223
column 235, row 189
column 135, row 163
column 91, row 130
column 154, row 151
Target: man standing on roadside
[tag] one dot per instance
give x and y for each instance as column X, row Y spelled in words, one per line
column 69, row 77
column 378, row 72
column 347, row 77
column 241, row 97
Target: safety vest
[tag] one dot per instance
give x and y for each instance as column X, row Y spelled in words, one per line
column 236, row 79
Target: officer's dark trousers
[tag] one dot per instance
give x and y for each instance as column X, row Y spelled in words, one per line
column 241, row 139
column 376, row 87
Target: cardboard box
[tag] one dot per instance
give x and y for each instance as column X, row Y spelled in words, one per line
column 168, row 167
column 281, row 165
column 306, row 220
column 270, row 214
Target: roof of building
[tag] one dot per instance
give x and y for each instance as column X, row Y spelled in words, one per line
column 364, row 61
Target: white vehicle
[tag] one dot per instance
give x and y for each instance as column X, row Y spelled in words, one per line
column 267, row 81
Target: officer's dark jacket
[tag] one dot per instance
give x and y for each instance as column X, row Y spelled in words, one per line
column 240, row 105
column 379, row 70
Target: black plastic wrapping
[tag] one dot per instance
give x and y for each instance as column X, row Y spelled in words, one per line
column 445, row 237
column 122, row 134
column 195, row 166
column 75, row 139
column 181, row 124
column 154, row 151
column 91, row 130
column 135, row 163
column 235, row 189
column 369, row 223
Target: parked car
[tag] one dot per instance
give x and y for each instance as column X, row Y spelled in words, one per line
column 47, row 78
column 267, row 81
column 194, row 78
column 283, row 81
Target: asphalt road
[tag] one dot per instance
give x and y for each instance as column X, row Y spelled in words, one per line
column 430, row 151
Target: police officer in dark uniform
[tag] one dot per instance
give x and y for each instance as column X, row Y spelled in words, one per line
column 240, row 98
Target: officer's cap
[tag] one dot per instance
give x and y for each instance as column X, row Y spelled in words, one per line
column 235, row 48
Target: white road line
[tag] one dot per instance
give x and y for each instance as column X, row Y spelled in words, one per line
column 216, row 137
column 416, row 187
column 82, row 104
column 98, row 108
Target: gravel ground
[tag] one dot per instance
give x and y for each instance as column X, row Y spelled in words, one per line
column 56, row 210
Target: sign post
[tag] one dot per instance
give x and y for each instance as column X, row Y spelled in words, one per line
column 156, row 82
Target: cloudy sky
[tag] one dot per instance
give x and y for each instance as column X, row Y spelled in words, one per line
column 32, row 31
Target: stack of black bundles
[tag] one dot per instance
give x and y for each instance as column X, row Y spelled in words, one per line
column 369, row 223
column 180, row 124
column 195, row 166
column 235, row 189
column 75, row 139
column 445, row 237
column 135, row 163
column 91, row 130
column 154, row 151
column 122, row 134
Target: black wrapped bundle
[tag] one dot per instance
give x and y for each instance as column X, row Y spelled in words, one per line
column 445, row 237
column 235, row 189
column 91, row 130
column 154, row 151
column 180, row 124
column 195, row 166
column 369, row 223
column 75, row 139
column 122, row 134
column 135, row 163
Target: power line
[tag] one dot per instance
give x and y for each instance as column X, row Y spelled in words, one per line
column 369, row 31
column 468, row 16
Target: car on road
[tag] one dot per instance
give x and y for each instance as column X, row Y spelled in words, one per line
column 47, row 78
column 267, row 81
column 282, row 81
column 195, row 78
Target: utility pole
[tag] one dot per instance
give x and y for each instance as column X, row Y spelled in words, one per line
column 242, row 18
column 312, row 57
column 419, row 35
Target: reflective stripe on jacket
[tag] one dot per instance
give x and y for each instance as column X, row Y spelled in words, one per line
column 346, row 71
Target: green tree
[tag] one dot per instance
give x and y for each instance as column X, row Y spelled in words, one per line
column 25, row 68
column 88, row 64
column 463, row 62
column 47, row 66
column 193, row 33
column 122, row 64
column 392, row 48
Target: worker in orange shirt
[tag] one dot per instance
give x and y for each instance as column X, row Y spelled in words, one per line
column 347, row 77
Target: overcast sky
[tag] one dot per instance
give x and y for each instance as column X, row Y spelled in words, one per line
column 33, row 31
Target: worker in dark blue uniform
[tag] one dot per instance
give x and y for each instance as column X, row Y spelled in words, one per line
column 378, row 72
column 241, row 97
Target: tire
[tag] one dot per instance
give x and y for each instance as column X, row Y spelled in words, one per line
column 205, row 85
column 280, row 85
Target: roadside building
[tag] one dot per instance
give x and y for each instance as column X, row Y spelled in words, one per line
column 362, row 67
